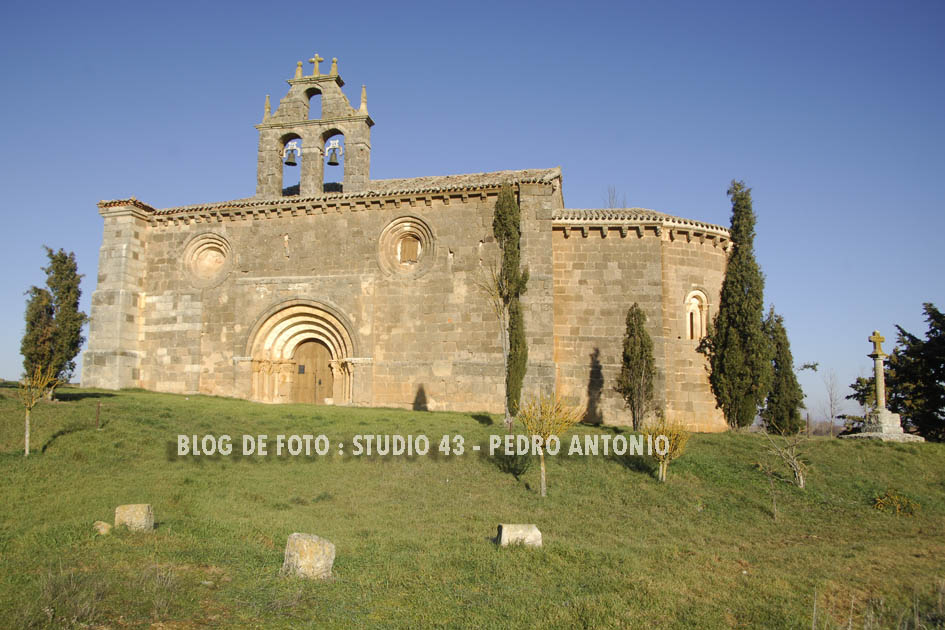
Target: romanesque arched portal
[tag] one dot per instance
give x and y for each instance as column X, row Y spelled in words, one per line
column 292, row 326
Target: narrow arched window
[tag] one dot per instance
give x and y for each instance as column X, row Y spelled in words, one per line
column 696, row 315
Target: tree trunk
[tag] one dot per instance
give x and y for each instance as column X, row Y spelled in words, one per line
column 541, row 458
column 26, row 452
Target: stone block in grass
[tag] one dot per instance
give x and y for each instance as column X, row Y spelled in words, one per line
column 137, row 517
column 308, row 556
column 518, row 534
column 102, row 528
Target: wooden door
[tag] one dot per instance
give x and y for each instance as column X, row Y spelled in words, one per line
column 313, row 382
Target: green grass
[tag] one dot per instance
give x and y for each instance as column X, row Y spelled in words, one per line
column 413, row 535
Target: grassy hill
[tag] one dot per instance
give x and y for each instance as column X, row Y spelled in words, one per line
column 703, row 550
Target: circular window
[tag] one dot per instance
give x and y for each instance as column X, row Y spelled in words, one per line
column 406, row 246
column 207, row 258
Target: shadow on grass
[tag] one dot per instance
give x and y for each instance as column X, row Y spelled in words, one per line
column 72, row 396
column 483, row 419
column 72, row 428
column 515, row 465
column 639, row 463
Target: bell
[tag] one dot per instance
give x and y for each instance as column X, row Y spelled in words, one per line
column 290, row 158
column 333, row 158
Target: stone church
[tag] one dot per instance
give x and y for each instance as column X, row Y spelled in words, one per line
column 367, row 292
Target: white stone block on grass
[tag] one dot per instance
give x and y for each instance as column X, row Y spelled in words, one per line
column 308, row 556
column 518, row 534
column 138, row 517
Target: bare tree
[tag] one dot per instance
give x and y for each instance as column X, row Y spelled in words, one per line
column 788, row 448
column 832, row 404
column 613, row 201
column 32, row 388
column 489, row 282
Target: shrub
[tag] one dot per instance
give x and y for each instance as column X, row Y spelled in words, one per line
column 893, row 501
column 676, row 437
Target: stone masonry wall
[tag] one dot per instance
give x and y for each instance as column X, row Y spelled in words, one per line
column 689, row 264
column 182, row 298
column 596, row 279
column 112, row 356
column 430, row 338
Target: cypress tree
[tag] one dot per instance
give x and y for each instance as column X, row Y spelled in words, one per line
column 782, row 411
column 518, row 357
column 638, row 369
column 738, row 350
column 53, row 320
column 507, row 227
column 63, row 280
column 38, row 340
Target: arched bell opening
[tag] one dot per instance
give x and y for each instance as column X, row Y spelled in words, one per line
column 314, row 97
column 335, row 160
column 300, row 353
column 291, row 164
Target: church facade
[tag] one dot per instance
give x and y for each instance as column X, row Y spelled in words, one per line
column 368, row 292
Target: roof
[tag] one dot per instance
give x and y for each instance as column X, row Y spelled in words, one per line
column 440, row 184
column 618, row 216
column 376, row 188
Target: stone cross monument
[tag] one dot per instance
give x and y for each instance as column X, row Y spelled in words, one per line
column 880, row 375
column 882, row 424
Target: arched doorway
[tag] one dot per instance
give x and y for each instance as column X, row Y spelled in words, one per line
column 314, row 381
column 300, row 353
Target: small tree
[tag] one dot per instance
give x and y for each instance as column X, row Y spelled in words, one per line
column 32, row 388
column 781, row 413
column 676, row 437
column 511, row 283
column 789, row 450
column 53, row 320
column 544, row 417
column 833, row 401
column 738, row 350
column 638, row 369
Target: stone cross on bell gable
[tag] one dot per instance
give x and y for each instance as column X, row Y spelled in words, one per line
column 315, row 60
column 879, row 376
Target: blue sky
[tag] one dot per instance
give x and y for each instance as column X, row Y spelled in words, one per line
column 834, row 113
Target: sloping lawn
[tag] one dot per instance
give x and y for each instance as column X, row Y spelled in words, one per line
column 413, row 535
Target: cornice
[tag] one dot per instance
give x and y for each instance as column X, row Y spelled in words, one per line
column 276, row 123
column 638, row 221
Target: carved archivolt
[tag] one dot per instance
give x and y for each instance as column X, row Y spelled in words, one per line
column 274, row 344
column 406, row 246
column 207, row 259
